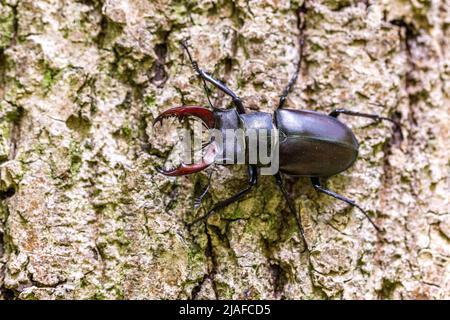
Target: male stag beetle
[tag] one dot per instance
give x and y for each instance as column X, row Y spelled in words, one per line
column 311, row 144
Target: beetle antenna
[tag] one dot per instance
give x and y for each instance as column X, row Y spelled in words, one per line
column 194, row 64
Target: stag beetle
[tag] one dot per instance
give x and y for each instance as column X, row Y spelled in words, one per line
column 314, row 145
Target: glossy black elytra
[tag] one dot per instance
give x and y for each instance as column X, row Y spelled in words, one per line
column 314, row 145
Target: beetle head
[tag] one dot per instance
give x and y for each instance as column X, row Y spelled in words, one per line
column 207, row 117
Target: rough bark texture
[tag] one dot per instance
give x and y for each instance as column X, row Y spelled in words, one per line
column 84, row 214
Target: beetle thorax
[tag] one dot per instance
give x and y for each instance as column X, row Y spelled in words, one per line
column 245, row 138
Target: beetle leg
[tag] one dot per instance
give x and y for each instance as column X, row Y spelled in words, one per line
column 316, row 184
column 198, row 201
column 206, row 77
column 335, row 113
column 298, row 219
column 301, row 27
column 252, row 180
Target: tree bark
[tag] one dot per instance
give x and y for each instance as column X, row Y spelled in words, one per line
column 84, row 214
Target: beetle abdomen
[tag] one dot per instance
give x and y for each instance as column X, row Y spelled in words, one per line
column 313, row 144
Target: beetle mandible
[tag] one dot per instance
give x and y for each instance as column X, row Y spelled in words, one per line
column 314, row 145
